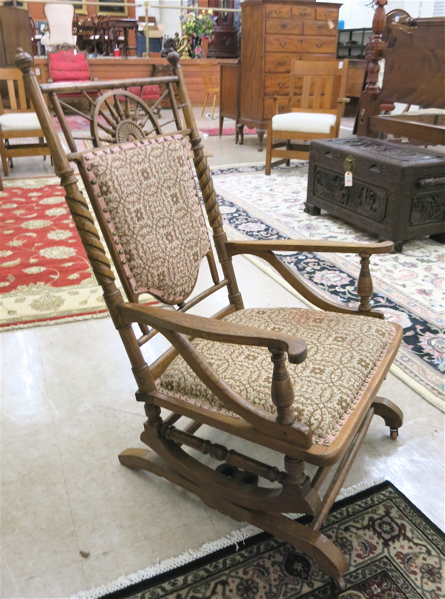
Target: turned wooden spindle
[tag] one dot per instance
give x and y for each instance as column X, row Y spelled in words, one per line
column 375, row 46
column 153, row 414
column 295, row 471
column 364, row 284
column 282, row 389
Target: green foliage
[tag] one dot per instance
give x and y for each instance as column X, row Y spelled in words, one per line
column 198, row 24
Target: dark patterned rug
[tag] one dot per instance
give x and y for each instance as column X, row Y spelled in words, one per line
column 393, row 550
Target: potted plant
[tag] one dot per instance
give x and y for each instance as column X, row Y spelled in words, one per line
column 197, row 30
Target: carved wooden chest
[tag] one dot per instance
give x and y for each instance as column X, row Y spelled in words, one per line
column 397, row 191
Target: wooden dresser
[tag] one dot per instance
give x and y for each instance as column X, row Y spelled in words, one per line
column 274, row 32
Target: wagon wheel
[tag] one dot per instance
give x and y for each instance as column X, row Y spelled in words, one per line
column 121, row 116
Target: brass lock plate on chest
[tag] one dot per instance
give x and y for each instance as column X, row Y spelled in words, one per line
column 348, row 164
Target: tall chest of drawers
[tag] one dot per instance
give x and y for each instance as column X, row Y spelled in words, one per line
column 274, row 32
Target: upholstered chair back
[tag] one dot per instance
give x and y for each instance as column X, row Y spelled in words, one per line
column 60, row 23
column 148, row 200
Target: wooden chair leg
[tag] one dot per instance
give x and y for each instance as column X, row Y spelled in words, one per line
column 269, row 150
column 213, row 105
column 288, row 148
column 391, row 414
column 205, row 104
column 3, row 155
column 41, row 141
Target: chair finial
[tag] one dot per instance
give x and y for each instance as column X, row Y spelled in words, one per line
column 23, row 60
column 173, row 59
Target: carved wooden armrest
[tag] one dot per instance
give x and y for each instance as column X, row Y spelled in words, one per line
column 266, row 249
column 175, row 325
column 214, row 330
column 308, row 245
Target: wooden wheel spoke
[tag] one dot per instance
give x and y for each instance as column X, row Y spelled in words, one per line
column 149, row 132
column 105, row 116
column 136, row 113
column 122, row 116
column 113, row 113
column 119, row 108
column 143, row 122
column 127, row 110
column 109, row 130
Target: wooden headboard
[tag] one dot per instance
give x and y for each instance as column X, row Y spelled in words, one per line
column 414, row 73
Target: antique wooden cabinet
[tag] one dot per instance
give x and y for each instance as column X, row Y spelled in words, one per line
column 397, row 190
column 274, row 32
column 225, row 34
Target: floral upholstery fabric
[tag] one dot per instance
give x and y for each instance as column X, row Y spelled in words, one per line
column 147, row 193
column 343, row 353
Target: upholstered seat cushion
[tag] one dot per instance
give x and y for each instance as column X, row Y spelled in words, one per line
column 343, row 353
column 307, row 122
column 68, row 65
column 149, row 92
column 19, row 121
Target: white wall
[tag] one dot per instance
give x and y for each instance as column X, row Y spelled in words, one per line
column 169, row 17
column 355, row 13
column 358, row 13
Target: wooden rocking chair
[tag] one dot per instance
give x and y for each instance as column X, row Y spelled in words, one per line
column 312, row 404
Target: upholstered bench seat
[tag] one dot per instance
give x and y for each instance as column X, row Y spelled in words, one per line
column 20, row 121
column 303, row 121
column 343, row 353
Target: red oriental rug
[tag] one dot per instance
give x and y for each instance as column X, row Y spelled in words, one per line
column 44, row 271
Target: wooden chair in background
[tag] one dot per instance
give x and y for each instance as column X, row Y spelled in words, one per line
column 315, row 107
column 18, row 121
column 300, row 382
column 210, row 76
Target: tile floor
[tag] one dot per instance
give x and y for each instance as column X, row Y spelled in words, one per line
column 72, row 517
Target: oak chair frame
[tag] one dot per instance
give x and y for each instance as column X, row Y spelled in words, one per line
column 210, row 78
column 312, row 90
column 18, row 103
column 293, row 491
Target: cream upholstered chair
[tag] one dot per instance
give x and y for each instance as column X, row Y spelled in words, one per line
column 301, row 383
column 20, row 130
column 314, row 109
column 60, row 24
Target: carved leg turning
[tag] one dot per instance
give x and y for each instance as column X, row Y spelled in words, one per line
column 311, row 209
column 4, row 159
column 391, row 414
column 240, row 130
column 260, row 133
